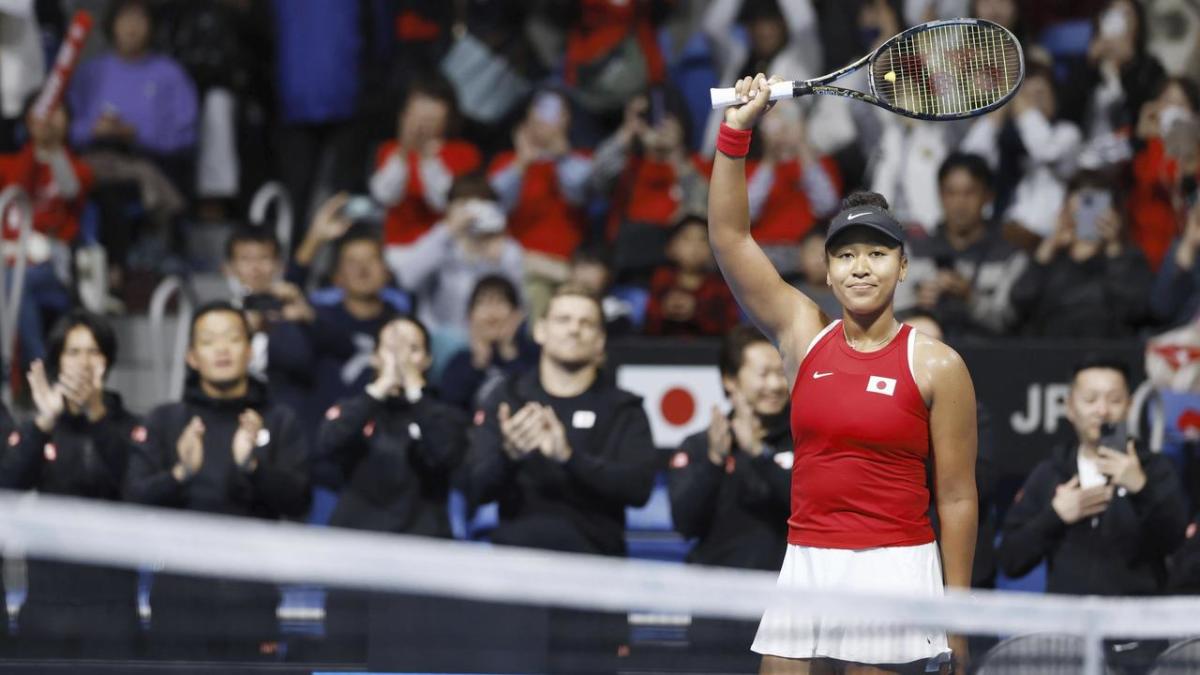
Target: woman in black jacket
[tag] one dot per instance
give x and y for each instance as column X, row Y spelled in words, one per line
column 395, row 446
column 78, row 444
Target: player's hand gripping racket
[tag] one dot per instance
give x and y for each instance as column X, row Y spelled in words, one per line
column 941, row 70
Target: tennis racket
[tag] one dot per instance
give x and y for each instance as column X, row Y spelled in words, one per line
column 941, row 70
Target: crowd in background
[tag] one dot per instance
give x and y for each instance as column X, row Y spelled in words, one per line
column 503, row 186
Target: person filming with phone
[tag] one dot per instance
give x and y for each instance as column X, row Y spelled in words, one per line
column 1085, row 280
column 1104, row 513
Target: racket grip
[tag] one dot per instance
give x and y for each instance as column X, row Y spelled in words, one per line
column 727, row 96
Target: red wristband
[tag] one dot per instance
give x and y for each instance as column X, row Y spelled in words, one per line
column 732, row 142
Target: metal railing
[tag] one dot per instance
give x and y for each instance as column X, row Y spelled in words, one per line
column 14, row 205
column 169, row 365
column 274, row 193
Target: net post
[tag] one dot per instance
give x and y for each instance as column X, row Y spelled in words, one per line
column 1093, row 645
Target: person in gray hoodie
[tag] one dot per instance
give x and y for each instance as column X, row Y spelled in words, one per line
column 443, row 266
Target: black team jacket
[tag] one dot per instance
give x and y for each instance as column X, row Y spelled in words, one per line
column 1120, row 552
column 396, row 458
column 277, row 488
column 738, row 511
column 578, row 505
column 78, row 458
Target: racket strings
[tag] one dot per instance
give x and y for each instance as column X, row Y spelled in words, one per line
column 949, row 70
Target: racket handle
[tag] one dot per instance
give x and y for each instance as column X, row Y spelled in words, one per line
column 723, row 98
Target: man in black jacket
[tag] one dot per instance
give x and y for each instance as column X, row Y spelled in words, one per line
column 731, row 485
column 225, row 448
column 278, row 315
column 564, row 452
column 78, row 444
column 1104, row 518
column 396, row 445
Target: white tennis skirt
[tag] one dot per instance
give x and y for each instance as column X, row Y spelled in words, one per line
column 916, row 570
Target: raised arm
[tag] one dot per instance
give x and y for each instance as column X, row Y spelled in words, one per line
column 788, row 317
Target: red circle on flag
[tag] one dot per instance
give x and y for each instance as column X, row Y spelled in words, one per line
column 678, row 406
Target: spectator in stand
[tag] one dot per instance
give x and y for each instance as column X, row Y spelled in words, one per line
column 134, row 114
column 731, row 485
column 1085, row 280
column 396, row 445
column 444, row 265
column 57, row 184
column 591, row 270
column 542, row 183
column 278, row 315
column 563, row 450
column 774, row 36
column 415, row 171
column 342, row 336
column 654, row 179
column 498, row 346
column 1166, row 141
column 1104, row 93
column 1031, row 153
column 78, row 444
column 964, row 273
column 1175, row 297
column 601, row 35
column 813, row 276
column 790, row 189
column 1103, row 518
column 225, row 448
column 688, row 297
column 319, row 92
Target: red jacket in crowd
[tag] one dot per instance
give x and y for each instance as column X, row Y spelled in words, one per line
column 413, row 216
column 714, row 309
column 53, row 215
column 543, row 220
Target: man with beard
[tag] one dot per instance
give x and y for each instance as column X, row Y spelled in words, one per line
column 225, row 448
column 565, row 452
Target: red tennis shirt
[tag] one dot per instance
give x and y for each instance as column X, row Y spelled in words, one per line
column 860, row 432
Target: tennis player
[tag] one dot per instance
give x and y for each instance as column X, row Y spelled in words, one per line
column 872, row 402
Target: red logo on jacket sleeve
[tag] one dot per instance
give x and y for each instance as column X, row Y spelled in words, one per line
column 679, row 460
column 138, row 434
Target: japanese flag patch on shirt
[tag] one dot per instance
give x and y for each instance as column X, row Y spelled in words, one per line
column 881, row 385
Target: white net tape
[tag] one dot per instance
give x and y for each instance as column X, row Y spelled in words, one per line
column 210, row 545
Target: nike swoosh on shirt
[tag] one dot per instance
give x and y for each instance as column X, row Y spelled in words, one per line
column 817, row 376
column 852, row 216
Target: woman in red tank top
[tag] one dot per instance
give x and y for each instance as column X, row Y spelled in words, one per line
column 872, row 402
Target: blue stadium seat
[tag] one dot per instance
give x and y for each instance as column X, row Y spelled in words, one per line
column 649, row 531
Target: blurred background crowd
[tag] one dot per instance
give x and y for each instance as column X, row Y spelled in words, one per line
column 328, row 166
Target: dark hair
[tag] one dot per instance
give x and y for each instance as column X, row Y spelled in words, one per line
column 595, row 254
column 733, row 348
column 250, row 234
column 685, row 220
column 974, row 165
column 471, row 185
column 494, row 283
column 1093, row 361
column 438, row 88
column 1190, row 91
column 357, row 232
column 212, row 308
column 759, row 9
column 1139, row 38
column 97, row 325
column 410, row 319
column 119, row 6
column 865, row 198
column 30, row 100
